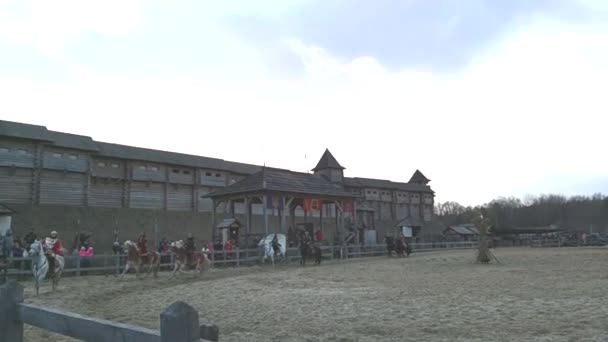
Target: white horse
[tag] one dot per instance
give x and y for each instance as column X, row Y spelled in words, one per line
column 40, row 265
column 267, row 250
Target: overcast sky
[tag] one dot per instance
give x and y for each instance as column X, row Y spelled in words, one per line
column 487, row 98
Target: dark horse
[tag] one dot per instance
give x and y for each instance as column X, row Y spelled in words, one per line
column 308, row 250
column 402, row 248
column 390, row 245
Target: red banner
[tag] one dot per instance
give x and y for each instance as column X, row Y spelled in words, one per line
column 312, row 204
column 348, row 207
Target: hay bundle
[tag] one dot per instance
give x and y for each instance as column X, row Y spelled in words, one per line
column 484, row 255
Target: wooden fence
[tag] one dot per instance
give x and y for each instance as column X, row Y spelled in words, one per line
column 114, row 263
column 179, row 322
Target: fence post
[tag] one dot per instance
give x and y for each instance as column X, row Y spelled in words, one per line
column 238, row 253
column 179, row 323
column 78, row 265
column 11, row 329
column 209, row 331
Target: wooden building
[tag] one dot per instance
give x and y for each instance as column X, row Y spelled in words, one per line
column 70, row 182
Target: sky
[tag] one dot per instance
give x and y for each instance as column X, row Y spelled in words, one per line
column 487, row 98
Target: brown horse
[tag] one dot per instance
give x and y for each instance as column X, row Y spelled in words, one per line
column 308, row 249
column 402, row 248
column 137, row 261
column 186, row 259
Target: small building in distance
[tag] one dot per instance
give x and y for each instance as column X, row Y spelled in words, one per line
column 461, row 232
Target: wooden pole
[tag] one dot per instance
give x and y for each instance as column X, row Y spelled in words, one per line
column 284, row 215
column 321, row 207
column 265, row 214
column 247, row 215
column 213, row 232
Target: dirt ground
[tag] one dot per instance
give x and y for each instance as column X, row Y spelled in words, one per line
column 533, row 295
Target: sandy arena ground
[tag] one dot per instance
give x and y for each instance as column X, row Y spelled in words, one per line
column 534, row 295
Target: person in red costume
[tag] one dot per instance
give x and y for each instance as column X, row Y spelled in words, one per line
column 53, row 247
column 319, row 235
column 54, row 244
column 142, row 246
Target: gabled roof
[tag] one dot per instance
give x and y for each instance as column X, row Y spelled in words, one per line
column 4, row 210
column 23, row 131
column 463, row 230
column 328, row 161
column 419, row 178
column 385, row 184
column 229, row 223
column 78, row 142
column 410, row 222
column 144, row 154
column 270, row 179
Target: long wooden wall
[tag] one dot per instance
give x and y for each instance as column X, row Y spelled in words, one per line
column 34, row 173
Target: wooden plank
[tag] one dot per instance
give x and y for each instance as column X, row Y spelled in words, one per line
column 11, row 330
column 83, row 327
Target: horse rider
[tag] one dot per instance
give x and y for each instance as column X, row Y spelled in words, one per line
column 190, row 248
column 30, row 237
column 53, row 247
column 276, row 246
column 142, row 246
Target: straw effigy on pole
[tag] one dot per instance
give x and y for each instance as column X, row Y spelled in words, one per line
column 484, row 255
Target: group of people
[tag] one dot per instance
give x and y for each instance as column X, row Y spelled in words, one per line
column 164, row 247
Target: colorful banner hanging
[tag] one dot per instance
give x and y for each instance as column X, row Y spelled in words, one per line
column 348, row 206
column 312, row 204
column 274, row 202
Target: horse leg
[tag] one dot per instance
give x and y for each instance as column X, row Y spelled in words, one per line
column 127, row 264
column 156, row 267
column 175, row 266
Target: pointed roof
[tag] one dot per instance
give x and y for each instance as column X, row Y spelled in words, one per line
column 328, row 161
column 419, row 178
column 278, row 180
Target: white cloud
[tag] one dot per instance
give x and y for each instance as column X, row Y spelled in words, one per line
column 49, row 26
column 529, row 108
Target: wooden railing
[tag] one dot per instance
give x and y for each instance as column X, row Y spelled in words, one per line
column 179, row 322
column 114, row 263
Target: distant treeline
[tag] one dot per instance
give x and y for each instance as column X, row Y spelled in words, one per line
column 580, row 213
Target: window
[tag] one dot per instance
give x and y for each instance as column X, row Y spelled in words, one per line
column 101, row 164
column 218, row 175
column 115, row 166
column 369, row 192
column 57, row 155
column 208, row 174
column 22, row 151
column 3, row 149
column 175, row 170
column 186, row 172
column 73, row 156
column 375, row 193
column 142, row 167
column 153, row 168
